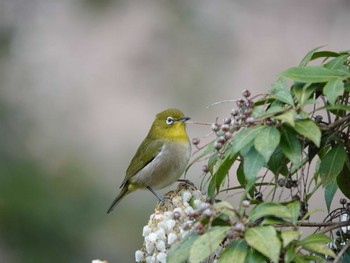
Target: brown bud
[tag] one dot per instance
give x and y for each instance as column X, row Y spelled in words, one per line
column 176, row 215
column 245, row 203
column 246, row 93
column 227, row 120
column 225, row 127
column 228, row 135
column 196, row 141
column 215, row 127
column 205, row 168
column 218, row 145
column 343, row 201
column 234, row 112
column 221, row 139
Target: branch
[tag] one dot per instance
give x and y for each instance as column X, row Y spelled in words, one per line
column 338, row 122
column 342, row 251
column 329, row 225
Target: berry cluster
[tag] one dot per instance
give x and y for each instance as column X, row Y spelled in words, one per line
column 240, row 117
column 170, row 222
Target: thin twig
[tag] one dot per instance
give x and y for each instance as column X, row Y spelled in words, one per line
column 199, row 123
column 342, row 251
column 219, row 102
column 336, row 225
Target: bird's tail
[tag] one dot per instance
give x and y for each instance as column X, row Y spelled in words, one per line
column 125, row 190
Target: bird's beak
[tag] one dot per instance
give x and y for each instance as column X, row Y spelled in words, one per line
column 184, row 119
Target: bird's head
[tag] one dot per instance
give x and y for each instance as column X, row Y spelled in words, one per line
column 170, row 124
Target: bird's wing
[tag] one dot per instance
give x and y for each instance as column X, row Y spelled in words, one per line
column 144, row 155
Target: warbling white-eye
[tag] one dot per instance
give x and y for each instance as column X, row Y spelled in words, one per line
column 161, row 158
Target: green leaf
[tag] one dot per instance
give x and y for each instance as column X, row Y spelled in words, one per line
column 313, row 74
column 180, row 251
column 343, row 180
column 267, row 141
column 225, row 208
column 255, row 256
column 303, row 92
column 325, row 54
column 253, row 162
column 308, row 57
column 347, row 87
column 212, row 187
column 339, row 107
column 277, row 163
column 315, row 238
column 280, row 91
column 290, row 255
column 289, row 236
column 269, row 209
column 294, row 210
column 333, row 89
column 243, row 138
column 264, row 239
column 237, row 251
column 272, row 221
column 309, row 130
column 337, row 62
column 329, row 193
column 316, row 243
column 332, row 164
column 223, row 170
column 287, row 117
column 206, row 244
column 291, row 146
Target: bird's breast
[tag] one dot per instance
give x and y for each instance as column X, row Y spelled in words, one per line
column 166, row 167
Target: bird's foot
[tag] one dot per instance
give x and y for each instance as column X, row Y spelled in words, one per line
column 160, row 198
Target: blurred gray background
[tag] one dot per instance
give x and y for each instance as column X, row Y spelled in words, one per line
column 81, row 82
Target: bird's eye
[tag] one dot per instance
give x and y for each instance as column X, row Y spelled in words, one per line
column 169, row 120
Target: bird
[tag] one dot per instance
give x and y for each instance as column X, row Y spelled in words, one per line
column 161, row 158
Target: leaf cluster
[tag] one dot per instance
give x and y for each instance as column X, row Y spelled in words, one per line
column 281, row 147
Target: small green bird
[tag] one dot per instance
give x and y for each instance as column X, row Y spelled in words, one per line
column 161, row 158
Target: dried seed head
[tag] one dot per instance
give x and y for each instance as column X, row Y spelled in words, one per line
column 258, row 196
column 240, row 103
column 343, row 201
column 215, row 127
column 239, row 226
column 227, row 120
column 205, row 168
column 204, row 206
column 198, row 226
column 221, row 139
column 234, row 112
column 245, row 203
column 176, row 215
column 246, row 93
column 196, row 141
column 207, row 212
column 193, row 214
column 318, row 118
column 218, row 145
column 281, row 182
column 228, row 135
column 248, row 112
column 250, row 120
column 225, row 127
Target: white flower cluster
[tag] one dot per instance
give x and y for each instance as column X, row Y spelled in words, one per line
column 166, row 225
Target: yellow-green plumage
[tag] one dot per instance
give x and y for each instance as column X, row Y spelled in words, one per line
column 162, row 156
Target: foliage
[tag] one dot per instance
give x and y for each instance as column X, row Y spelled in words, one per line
column 281, row 147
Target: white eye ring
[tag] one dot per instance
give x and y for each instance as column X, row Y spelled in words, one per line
column 169, row 120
